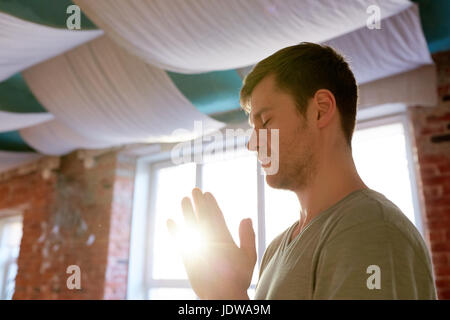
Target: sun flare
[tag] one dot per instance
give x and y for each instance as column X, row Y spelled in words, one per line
column 191, row 240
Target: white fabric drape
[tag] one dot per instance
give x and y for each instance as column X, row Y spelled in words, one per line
column 113, row 90
column 101, row 92
column 392, row 64
column 11, row 160
column 397, row 47
column 192, row 36
column 13, row 121
column 24, row 43
column 54, row 138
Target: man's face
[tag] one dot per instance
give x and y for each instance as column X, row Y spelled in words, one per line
column 273, row 108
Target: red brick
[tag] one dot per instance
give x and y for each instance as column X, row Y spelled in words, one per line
column 440, row 259
column 438, row 180
column 438, row 118
column 432, row 159
column 429, row 171
column 442, row 271
column 439, row 201
column 437, row 236
column 432, row 130
column 444, row 295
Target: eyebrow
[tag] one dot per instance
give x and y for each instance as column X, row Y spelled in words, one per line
column 257, row 114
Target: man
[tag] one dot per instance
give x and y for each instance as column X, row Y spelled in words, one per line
column 350, row 242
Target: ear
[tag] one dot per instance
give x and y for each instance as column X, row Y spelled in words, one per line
column 326, row 107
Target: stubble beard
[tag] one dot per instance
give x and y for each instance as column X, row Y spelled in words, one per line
column 298, row 169
column 295, row 174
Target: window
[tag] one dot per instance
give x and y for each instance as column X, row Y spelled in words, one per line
column 10, row 236
column 382, row 155
column 236, row 194
column 381, row 151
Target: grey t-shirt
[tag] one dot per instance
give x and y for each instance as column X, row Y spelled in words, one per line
column 362, row 247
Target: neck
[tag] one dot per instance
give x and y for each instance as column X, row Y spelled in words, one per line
column 333, row 181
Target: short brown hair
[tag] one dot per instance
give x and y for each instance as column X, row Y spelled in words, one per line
column 303, row 69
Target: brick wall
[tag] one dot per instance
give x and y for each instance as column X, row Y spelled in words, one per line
column 75, row 216
column 431, row 125
column 32, row 193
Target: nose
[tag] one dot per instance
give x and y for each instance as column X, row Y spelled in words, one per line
column 252, row 143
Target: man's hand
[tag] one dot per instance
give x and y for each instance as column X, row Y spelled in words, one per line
column 220, row 269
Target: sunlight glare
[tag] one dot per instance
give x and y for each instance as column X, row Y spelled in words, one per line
column 191, row 240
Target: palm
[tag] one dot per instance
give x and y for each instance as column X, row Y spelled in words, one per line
column 221, row 270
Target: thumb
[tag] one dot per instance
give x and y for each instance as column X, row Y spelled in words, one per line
column 247, row 239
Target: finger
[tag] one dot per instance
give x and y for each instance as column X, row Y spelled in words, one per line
column 213, row 207
column 217, row 218
column 188, row 211
column 199, row 204
column 247, row 239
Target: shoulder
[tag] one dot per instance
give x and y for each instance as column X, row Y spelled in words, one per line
column 371, row 232
column 372, row 219
column 373, row 208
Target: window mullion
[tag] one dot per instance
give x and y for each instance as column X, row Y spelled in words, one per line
column 199, row 175
column 148, row 269
column 261, row 212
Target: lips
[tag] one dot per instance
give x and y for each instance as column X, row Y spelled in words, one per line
column 265, row 164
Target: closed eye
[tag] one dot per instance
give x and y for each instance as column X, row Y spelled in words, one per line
column 265, row 123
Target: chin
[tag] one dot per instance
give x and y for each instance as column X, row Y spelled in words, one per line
column 278, row 181
column 274, row 181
